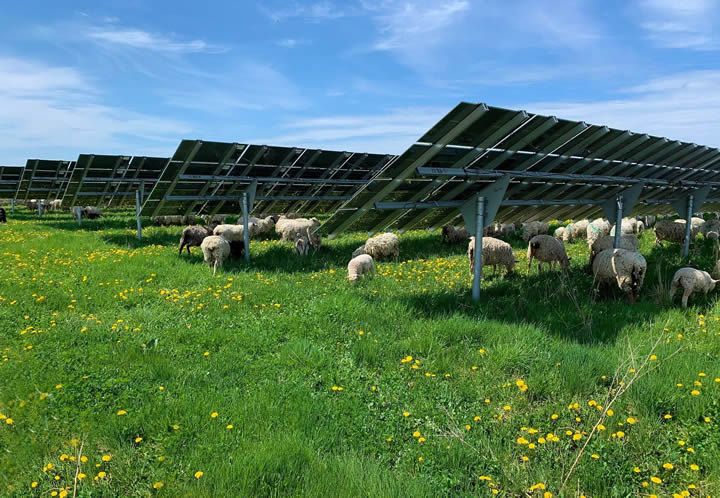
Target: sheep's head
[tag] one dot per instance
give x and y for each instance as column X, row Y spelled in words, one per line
column 360, row 250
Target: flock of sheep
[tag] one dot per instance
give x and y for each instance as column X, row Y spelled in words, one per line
column 623, row 267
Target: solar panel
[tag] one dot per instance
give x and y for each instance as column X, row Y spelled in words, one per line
column 9, row 181
column 111, row 180
column 43, row 179
column 209, row 177
column 558, row 169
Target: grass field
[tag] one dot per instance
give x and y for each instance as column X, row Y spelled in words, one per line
column 126, row 370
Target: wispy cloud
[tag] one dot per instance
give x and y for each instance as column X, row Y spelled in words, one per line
column 139, row 39
column 56, row 109
column 689, row 24
column 313, row 12
column 291, row 43
column 682, row 107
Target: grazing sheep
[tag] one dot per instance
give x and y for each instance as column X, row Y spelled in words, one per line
column 382, row 246
column 3, row 216
column 91, row 212
column 576, row 230
column 596, row 229
column 710, row 226
column 231, row 232
column 453, row 235
column 696, row 225
column 629, row 226
column 290, row 229
column 672, row 231
column 193, row 236
column 31, row 204
column 547, row 249
column 640, row 227
column 215, row 219
column 622, row 269
column 215, row 251
column 302, row 246
column 559, row 233
column 494, row 252
column 169, row 220
column 237, row 249
column 261, row 226
column 648, row 221
column 691, row 280
column 359, row 266
column 55, row 205
column 627, row 242
column 533, row 228
column 360, row 250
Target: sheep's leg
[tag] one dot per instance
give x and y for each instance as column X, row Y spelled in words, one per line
column 686, row 295
column 673, row 290
column 180, row 249
column 215, row 267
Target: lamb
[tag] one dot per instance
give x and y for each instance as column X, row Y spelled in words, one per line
column 3, row 216
column 672, row 231
column 559, row 233
column 453, row 235
column 533, row 228
column 547, row 249
column 290, row 229
column 359, row 266
column 231, row 232
column 596, row 229
column 192, row 236
column 91, row 212
column 494, row 252
column 691, row 280
column 627, row 242
column 215, row 251
column 621, row 268
column 384, row 245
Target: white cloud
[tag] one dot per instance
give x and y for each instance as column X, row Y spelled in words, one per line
column 291, row 43
column 390, row 132
column 689, row 24
column 313, row 12
column 681, row 107
column 49, row 110
column 139, row 39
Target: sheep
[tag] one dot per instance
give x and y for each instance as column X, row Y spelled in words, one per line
column 169, row 220
column 672, row 231
column 91, row 212
column 494, row 252
column 710, row 226
column 533, row 228
column 237, row 249
column 627, row 242
column 215, row 219
column 359, row 266
column 691, row 280
column 290, row 229
column 192, row 236
column 215, row 251
column 621, row 268
column 453, row 235
column 640, row 227
column 628, row 226
column 3, row 216
column 302, row 246
column 559, row 233
column 31, row 204
column 596, row 229
column 505, row 230
column 262, row 226
column 231, row 232
column 360, row 250
column 55, row 205
column 384, row 245
column 575, row 230
column 696, row 225
column 547, row 249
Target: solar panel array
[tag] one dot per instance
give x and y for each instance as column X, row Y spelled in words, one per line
column 9, row 181
column 110, row 180
column 209, row 178
column 43, row 179
column 559, row 169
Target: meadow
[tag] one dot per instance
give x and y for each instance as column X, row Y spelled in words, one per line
column 127, row 370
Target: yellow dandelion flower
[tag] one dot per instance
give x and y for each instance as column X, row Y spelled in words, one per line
column 485, row 478
column 610, row 412
column 554, row 416
column 468, row 427
column 421, row 440
column 631, row 420
column 694, row 467
column 229, row 427
column 138, row 439
column 120, row 413
column 595, row 456
column 106, row 458
column 656, row 480
column 101, row 475
column 34, row 484
column 9, row 421
column 636, row 470
column 158, row 485
column 406, row 414
column 668, row 466
column 667, row 416
column 695, row 392
column 81, row 476
column 214, row 415
column 199, row 474
column 652, row 357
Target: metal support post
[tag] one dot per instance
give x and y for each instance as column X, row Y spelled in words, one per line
column 618, row 222
column 12, row 206
column 477, row 260
column 138, row 207
column 246, row 223
column 688, row 226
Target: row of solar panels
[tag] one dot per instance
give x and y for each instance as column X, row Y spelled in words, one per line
column 557, row 169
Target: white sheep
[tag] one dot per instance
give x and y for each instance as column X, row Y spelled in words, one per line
column 55, row 205
column 259, row 226
column 533, row 228
column 231, row 233
column 290, row 229
column 215, row 251
column 494, row 252
column 359, row 266
column 596, row 229
column 575, row 230
column 559, row 233
column 622, row 269
column 547, row 249
column 627, row 242
column 691, row 280
column 383, row 246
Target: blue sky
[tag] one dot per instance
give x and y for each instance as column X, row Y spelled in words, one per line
column 134, row 77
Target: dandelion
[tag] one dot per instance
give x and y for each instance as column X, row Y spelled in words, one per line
column 407, row 359
column 595, row 456
column 610, row 412
column 695, row 392
column 9, row 421
column 631, row 420
column 214, row 415
column 106, row 458
column 120, row 413
column 476, row 418
column 537, row 486
column 668, row 466
column 158, row 485
column 652, row 357
column 636, row 470
column 485, row 478
column 667, row 416
column 507, row 408
column 138, row 439
column 34, row 484
column 229, row 427
column 656, row 480
column 337, row 389
column 468, row 427
column 101, row 475
column 199, row 474
column 421, row 440
column 406, row 414
column 81, row 476
column 694, row 467
column 554, row 416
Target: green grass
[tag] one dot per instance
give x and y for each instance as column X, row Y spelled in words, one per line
column 93, row 321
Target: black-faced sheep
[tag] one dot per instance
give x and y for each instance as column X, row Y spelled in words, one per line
column 193, row 236
column 215, row 251
column 547, row 249
column 494, row 252
column 621, row 269
column 359, row 266
column 453, row 235
column 3, row 216
column 690, row 281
